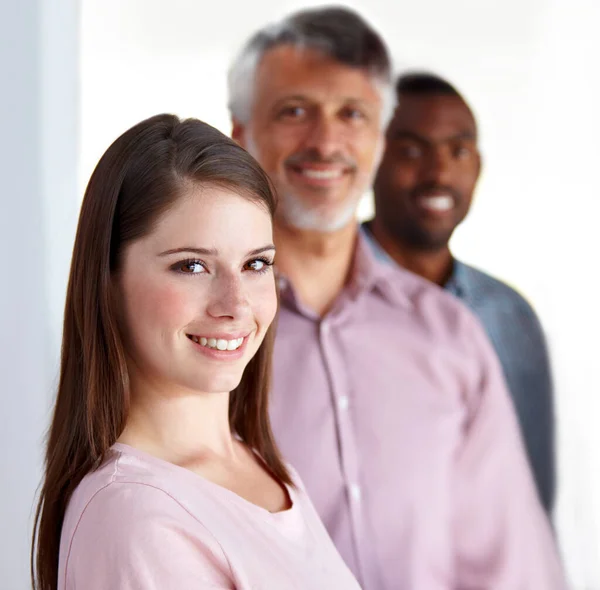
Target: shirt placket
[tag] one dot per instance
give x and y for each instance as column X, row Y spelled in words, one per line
column 341, row 402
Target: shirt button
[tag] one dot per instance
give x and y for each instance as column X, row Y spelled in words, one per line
column 324, row 328
column 343, row 402
column 355, row 492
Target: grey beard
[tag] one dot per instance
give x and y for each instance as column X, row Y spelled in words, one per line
column 297, row 215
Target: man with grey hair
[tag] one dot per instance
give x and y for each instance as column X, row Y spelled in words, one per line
column 387, row 396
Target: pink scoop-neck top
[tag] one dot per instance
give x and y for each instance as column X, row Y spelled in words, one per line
column 141, row 523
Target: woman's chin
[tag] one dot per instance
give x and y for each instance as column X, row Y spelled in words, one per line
column 218, row 384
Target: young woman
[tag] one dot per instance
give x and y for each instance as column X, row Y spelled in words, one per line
column 161, row 470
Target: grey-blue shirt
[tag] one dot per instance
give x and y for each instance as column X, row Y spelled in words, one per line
column 516, row 334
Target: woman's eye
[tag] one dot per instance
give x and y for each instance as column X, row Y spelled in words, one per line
column 190, row 267
column 258, row 265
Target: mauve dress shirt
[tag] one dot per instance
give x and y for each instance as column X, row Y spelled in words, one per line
column 518, row 339
column 394, row 410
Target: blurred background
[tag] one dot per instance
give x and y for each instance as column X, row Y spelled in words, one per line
column 77, row 74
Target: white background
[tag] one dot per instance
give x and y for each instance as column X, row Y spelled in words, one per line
column 38, row 188
column 528, row 67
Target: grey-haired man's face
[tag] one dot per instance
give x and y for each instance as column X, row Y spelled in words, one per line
column 316, row 129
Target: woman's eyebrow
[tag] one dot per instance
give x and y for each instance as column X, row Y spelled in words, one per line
column 261, row 250
column 191, row 249
column 212, row 251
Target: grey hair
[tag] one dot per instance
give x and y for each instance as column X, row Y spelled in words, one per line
column 338, row 33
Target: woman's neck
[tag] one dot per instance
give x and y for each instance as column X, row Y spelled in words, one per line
column 179, row 426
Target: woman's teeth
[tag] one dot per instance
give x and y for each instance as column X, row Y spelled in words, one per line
column 218, row 343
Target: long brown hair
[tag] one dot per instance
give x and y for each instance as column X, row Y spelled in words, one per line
column 138, row 178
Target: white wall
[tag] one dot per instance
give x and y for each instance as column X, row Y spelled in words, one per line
column 38, row 166
column 527, row 67
column 565, row 122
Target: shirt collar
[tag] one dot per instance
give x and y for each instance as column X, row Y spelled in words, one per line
column 370, row 272
column 458, row 283
column 379, row 253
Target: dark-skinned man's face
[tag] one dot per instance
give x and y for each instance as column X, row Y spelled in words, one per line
column 425, row 183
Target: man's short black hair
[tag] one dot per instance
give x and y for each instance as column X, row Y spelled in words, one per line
column 425, row 83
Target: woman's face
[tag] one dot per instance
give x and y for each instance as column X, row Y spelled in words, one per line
column 197, row 294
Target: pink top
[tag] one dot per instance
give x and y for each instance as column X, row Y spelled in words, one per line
column 140, row 523
column 394, row 411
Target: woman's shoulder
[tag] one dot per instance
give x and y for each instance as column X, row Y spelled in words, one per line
column 126, row 515
column 124, row 487
column 107, row 484
column 120, row 496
